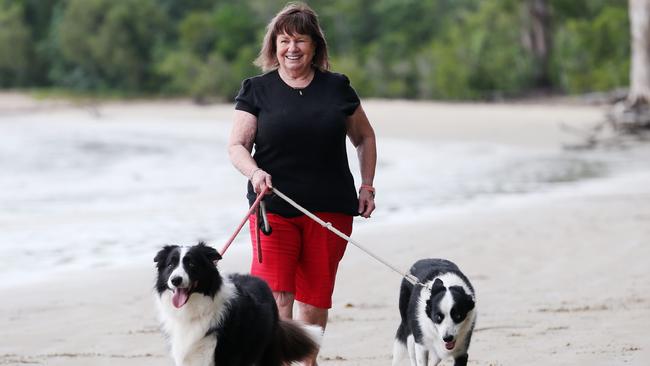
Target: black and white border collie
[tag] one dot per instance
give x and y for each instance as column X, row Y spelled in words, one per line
column 437, row 318
column 225, row 321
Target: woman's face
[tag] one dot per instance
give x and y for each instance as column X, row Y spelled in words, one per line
column 294, row 52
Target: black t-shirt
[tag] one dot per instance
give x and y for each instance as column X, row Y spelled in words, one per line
column 301, row 140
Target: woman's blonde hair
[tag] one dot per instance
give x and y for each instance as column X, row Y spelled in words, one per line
column 295, row 18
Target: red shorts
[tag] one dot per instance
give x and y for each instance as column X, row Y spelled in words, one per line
column 302, row 257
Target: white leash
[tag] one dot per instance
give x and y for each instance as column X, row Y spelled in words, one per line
column 409, row 277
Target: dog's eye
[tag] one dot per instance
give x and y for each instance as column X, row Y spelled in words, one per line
column 438, row 317
column 456, row 316
column 190, row 264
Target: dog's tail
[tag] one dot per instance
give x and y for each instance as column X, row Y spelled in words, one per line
column 295, row 341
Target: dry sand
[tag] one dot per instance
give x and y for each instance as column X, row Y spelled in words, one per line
column 561, row 278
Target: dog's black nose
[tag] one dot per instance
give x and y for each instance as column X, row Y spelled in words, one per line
column 448, row 338
column 177, row 281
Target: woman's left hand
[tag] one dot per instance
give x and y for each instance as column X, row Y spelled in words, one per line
column 366, row 202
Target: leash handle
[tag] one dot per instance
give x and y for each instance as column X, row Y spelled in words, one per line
column 263, row 224
column 258, row 242
column 250, row 212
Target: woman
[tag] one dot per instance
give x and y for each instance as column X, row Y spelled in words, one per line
column 297, row 116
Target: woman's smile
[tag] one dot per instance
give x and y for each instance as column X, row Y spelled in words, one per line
column 295, row 53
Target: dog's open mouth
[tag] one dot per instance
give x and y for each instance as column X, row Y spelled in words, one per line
column 450, row 345
column 180, row 297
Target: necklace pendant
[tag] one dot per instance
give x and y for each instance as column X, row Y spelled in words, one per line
column 300, row 91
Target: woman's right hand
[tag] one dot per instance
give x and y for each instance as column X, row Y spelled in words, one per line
column 260, row 180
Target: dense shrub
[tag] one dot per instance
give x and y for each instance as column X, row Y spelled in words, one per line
column 593, row 54
column 16, row 56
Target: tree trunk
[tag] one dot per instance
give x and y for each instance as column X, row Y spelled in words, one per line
column 633, row 114
column 639, row 11
column 538, row 39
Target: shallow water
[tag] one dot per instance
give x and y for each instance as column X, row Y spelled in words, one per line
column 422, row 176
column 76, row 192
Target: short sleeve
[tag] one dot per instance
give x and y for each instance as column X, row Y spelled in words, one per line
column 245, row 100
column 349, row 97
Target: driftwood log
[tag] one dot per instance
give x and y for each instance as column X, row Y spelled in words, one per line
column 622, row 127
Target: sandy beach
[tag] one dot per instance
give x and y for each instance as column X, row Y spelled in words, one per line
column 559, row 273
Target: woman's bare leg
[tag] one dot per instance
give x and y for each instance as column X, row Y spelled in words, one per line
column 284, row 300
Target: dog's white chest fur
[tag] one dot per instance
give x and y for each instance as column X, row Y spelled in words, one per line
column 188, row 326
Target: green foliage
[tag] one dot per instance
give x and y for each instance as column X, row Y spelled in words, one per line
column 176, row 10
column 215, row 51
column 395, row 60
column 417, row 49
column 197, row 34
column 583, row 9
column 593, row 54
column 477, row 57
column 188, row 74
column 16, row 56
column 109, row 44
column 236, row 27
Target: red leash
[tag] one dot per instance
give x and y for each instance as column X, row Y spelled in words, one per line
column 254, row 206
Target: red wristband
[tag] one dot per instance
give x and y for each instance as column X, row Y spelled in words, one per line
column 368, row 188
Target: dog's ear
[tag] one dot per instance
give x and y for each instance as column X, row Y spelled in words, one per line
column 470, row 302
column 466, row 301
column 210, row 253
column 163, row 253
column 437, row 286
